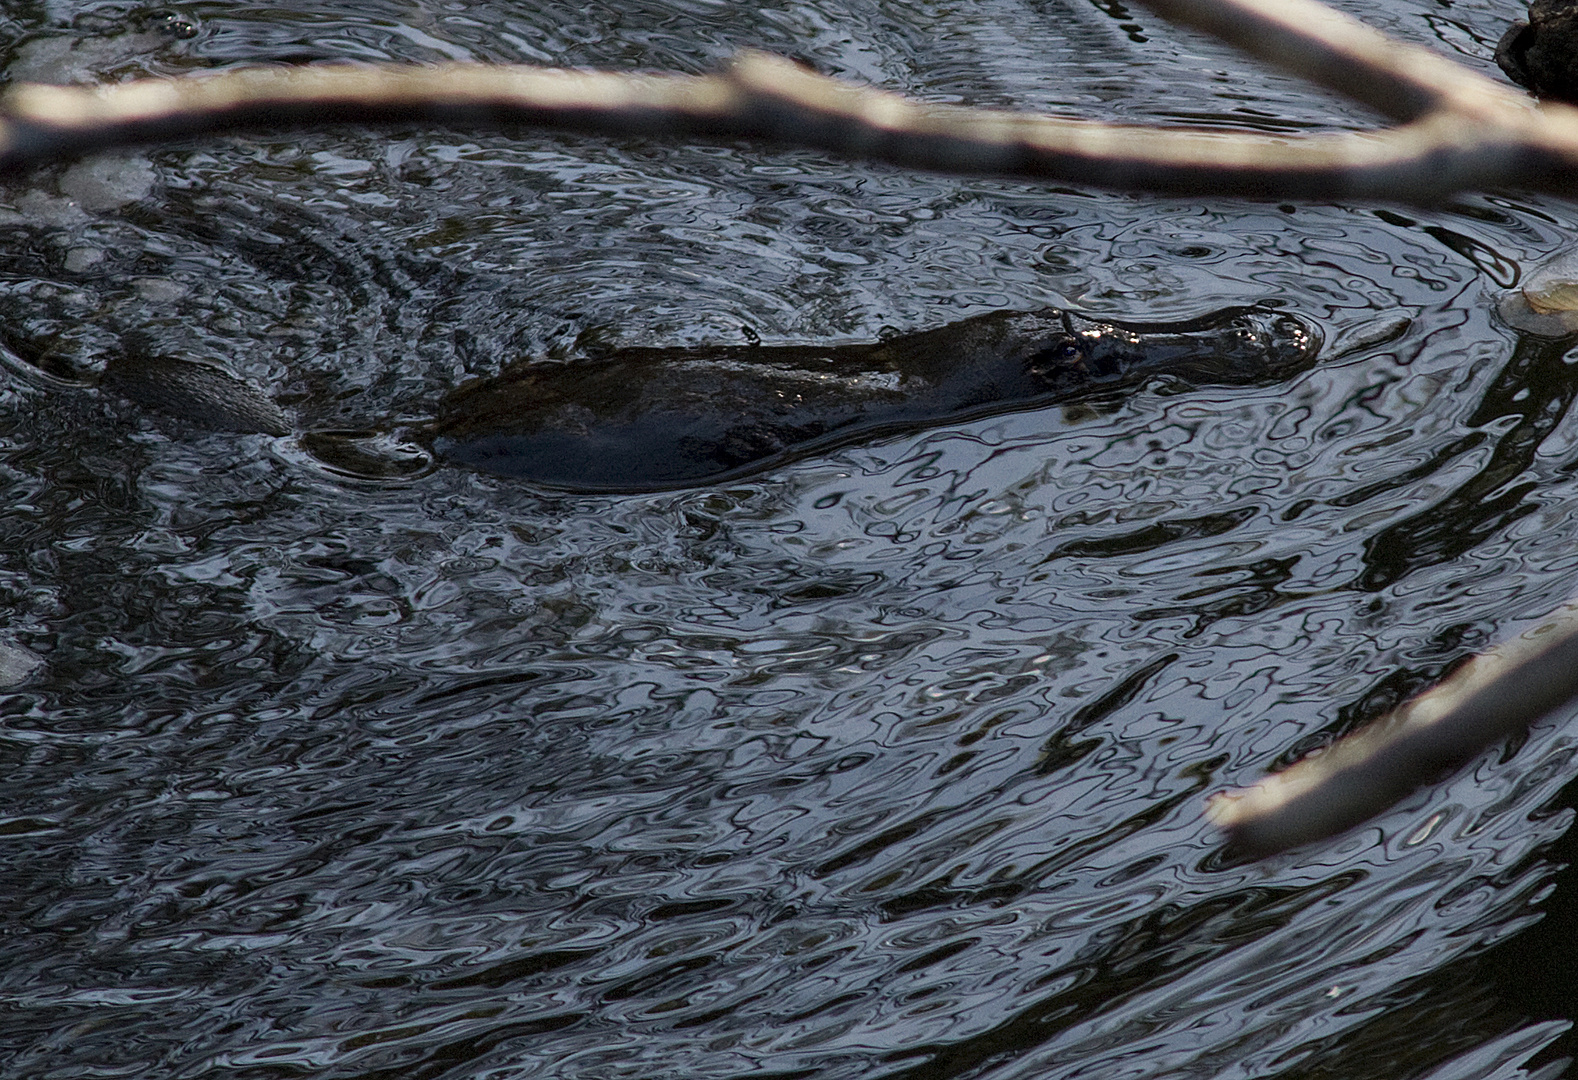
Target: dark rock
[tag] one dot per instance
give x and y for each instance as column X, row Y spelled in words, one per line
column 1542, row 54
column 647, row 419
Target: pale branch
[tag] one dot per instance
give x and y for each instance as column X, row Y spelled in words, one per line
column 1460, row 131
column 1341, row 53
column 1441, row 151
column 1496, row 694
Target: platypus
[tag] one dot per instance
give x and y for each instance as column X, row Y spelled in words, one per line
column 647, row 419
column 650, row 419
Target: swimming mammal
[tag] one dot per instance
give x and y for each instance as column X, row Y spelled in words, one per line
column 646, row 419
column 650, row 419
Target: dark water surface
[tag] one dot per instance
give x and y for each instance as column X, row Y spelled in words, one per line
column 888, row 763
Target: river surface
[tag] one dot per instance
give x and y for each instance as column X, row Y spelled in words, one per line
column 342, row 762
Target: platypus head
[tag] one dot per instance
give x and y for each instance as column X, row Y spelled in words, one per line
column 1235, row 346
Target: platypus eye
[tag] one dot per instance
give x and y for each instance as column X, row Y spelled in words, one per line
column 1060, row 355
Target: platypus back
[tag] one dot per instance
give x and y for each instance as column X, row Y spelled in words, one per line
column 648, row 419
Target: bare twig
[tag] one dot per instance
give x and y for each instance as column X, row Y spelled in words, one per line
column 1496, row 694
column 1460, row 130
column 1313, row 41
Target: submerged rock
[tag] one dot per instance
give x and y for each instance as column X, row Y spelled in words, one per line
column 645, row 419
column 1546, row 304
column 17, row 664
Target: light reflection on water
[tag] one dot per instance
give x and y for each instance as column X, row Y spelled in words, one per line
column 889, row 763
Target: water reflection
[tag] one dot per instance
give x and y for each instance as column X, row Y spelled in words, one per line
column 1527, row 401
column 888, row 762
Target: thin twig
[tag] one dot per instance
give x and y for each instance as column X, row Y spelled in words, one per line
column 1494, row 695
column 1315, row 42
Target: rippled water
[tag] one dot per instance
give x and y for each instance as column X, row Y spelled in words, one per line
column 888, row 763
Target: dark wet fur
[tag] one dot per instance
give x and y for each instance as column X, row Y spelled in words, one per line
column 647, row 419
column 201, row 394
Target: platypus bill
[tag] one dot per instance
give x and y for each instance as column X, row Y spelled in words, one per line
column 649, row 419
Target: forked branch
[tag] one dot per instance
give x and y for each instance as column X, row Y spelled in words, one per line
column 1458, row 130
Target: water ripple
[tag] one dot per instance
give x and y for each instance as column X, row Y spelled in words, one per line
column 889, row 763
